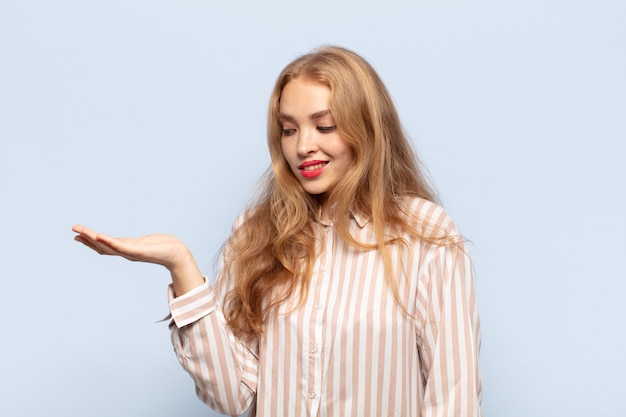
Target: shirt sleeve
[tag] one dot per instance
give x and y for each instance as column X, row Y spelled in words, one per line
column 449, row 336
column 223, row 367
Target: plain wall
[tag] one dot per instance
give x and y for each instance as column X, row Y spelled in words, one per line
column 135, row 117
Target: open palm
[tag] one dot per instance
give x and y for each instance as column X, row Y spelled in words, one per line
column 159, row 249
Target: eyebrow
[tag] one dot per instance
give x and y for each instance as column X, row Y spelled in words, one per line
column 314, row 116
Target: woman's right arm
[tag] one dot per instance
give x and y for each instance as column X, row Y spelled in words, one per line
column 222, row 366
column 160, row 249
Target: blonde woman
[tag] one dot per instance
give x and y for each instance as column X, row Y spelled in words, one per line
column 345, row 290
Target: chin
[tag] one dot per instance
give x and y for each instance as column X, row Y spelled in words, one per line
column 318, row 195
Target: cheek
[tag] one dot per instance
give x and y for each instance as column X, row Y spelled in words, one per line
column 286, row 152
column 348, row 155
column 351, row 156
column 344, row 148
column 350, row 161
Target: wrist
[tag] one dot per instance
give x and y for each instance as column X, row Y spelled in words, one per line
column 186, row 274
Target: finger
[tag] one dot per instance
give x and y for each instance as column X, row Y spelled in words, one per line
column 99, row 242
column 104, row 242
column 84, row 239
column 86, row 232
column 118, row 246
column 104, row 238
column 83, row 230
column 77, row 228
column 89, row 244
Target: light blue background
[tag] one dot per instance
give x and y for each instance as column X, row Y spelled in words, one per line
column 149, row 116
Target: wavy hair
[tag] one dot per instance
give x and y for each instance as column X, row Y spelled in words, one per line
column 271, row 254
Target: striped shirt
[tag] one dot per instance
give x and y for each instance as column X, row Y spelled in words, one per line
column 350, row 349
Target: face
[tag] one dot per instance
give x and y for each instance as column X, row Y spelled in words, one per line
column 318, row 156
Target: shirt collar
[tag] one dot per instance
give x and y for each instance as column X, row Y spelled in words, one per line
column 360, row 218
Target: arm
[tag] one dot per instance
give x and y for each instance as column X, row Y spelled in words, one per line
column 450, row 336
column 222, row 366
column 165, row 250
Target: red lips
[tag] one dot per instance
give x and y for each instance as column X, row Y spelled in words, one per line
column 312, row 169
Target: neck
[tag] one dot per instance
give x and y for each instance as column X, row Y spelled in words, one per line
column 326, row 210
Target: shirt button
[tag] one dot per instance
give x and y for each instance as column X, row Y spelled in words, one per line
column 324, row 268
column 314, row 350
column 312, row 395
column 318, row 306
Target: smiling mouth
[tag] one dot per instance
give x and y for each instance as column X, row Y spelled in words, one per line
column 313, row 167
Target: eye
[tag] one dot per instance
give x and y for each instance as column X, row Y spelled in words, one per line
column 287, row 131
column 326, row 129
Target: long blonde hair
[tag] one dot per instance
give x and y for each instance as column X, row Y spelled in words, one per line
column 270, row 256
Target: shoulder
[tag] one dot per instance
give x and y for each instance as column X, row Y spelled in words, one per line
column 429, row 221
column 417, row 209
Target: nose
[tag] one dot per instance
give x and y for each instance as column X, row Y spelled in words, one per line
column 307, row 142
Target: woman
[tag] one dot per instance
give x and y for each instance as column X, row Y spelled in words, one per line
column 345, row 290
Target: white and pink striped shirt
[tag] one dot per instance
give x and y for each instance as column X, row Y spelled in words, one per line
column 350, row 350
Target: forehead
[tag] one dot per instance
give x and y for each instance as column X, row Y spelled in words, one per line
column 303, row 98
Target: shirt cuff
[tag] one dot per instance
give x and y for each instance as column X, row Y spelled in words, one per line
column 193, row 305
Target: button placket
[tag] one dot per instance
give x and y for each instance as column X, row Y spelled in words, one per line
column 317, row 317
